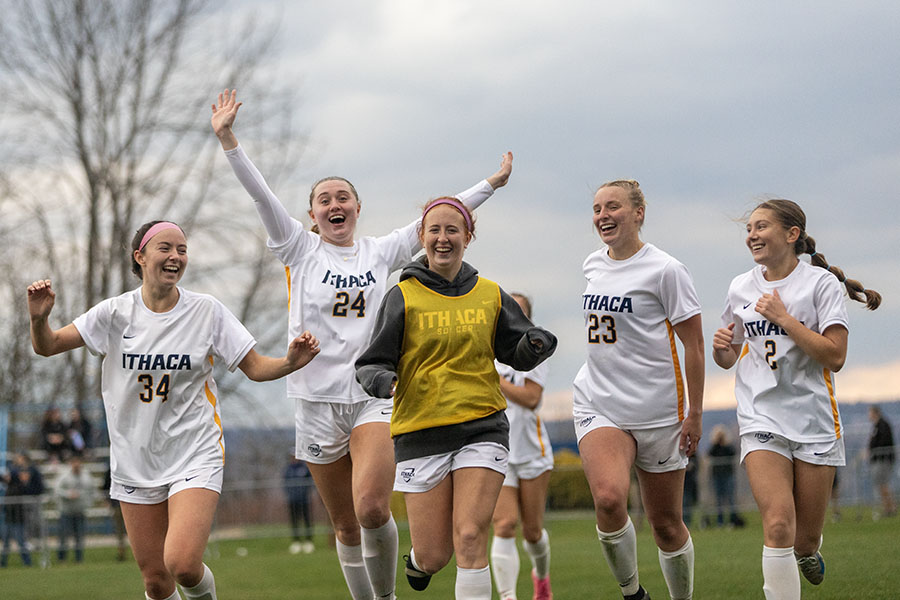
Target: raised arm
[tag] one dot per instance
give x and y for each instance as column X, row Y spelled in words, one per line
column 528, row 395
column 44, row 340
column 274, row 216
column 476, row 195
column 266, row 368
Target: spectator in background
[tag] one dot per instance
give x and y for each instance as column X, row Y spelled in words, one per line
column 75, row 494
column 79, row 432
column 23, row 480
column 297, row 484
column 53, row 435
column 881, row 458
column 117, row 520
column 721, row 456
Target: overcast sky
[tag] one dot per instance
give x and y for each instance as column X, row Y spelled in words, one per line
column 712, row 106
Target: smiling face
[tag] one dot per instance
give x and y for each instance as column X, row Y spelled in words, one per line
column 164, row 258
column 618, row 221
column 334, row 208
column 770, row 243
column 445, row 237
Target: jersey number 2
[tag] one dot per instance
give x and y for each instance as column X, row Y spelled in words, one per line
column 343, row 299
column 770, row 354
column 160, row 391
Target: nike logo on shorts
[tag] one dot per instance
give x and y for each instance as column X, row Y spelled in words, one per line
column 386, row 412
column 662, row 462
column 189, row 478
column 127, row 337
column 498, row 458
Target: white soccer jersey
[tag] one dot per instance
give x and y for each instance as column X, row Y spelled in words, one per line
column 334, row 291
column 161, row 402
column 528, row 439
column 632, row 374
column 779, row 388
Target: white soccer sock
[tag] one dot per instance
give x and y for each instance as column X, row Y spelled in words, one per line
column 354, row 569
column 473, row 584
column 505, row 560
column 781, row 579
column 678, row 571
column 379, row 550
column 205, row 590
column 620, row 550
column 174, row 595
column 539, row 553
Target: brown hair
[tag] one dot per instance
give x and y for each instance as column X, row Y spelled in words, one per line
column 789, row 214
column 136, row 244
column 632, row 191
column 312, row 194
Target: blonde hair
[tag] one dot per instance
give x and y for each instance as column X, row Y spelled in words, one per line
column 312, row 194
column 633, row 192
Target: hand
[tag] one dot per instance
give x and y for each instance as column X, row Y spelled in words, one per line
column 691, row 431
column 499, row 179
column 223, row 115
column 772, row 308
column 302, row 349
column 41, row 298
column 724, row 338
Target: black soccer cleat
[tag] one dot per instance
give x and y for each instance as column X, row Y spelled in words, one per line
column 418, row 580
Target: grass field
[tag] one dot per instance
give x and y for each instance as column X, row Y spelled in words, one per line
column 862, row 557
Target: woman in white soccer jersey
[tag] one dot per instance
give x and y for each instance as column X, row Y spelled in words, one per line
column 785, row 325
column 336, row 284
column 630, row 402
column 158, row 343
column 524, row 491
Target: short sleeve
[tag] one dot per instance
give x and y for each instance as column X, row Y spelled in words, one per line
column 231, row 340
column 677, row 293
column 94, row 327
column 831, row 307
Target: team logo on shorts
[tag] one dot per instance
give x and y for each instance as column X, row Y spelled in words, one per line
column 763, row 437
column 314, row 449
column 586, row 421
column 129, row 489
column 407, row 474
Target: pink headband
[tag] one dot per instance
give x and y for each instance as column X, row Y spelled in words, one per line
column 161, row 226
column 455, row 204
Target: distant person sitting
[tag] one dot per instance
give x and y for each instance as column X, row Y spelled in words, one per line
column 881, row 459
column 53, row 435
column 79, row 432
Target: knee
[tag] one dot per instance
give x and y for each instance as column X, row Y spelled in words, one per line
column 372, row 512
column 157, row 582
column 532, row 532
column 186, row 571
column 505, row 527
column 669, row 532
column 608, row 501
column 470, row 543
column 778, row 531
column 806, row 544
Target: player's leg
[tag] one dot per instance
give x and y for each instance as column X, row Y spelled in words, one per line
column 191, row 514
column 662, row 494
column 334, row 483
column 504, row 554
column 430, row 516
column 771, row 477
column 608, row 454
column 812, row 491
column 533, row 499
column 372, row 453
column 146, row 525
column 475, row 491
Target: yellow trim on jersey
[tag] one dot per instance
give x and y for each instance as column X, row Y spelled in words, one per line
column 541, row 439
column 745, row 351
column 679, row 383
column 834, row 407
column 287, row 273
column 211, row 398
